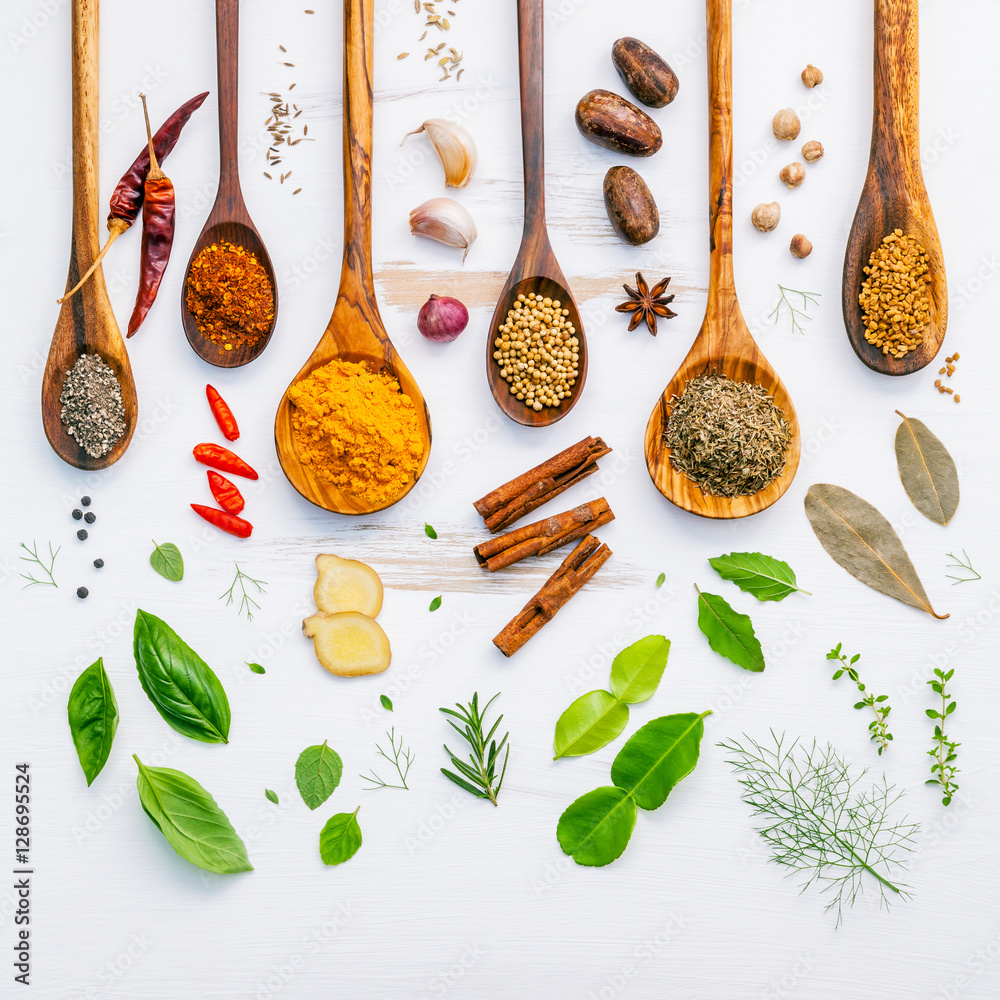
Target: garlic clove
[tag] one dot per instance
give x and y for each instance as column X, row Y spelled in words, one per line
column 455, row 149
column 444, row 220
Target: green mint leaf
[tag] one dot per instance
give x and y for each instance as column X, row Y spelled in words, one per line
column 167, row 560
column 317, row 773
column 271, row 796
column 340, row 839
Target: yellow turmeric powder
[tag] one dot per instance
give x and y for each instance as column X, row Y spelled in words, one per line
column 357, row 430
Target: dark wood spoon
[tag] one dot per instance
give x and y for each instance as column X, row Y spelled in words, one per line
column 355, row 331
column 229, row 219
column 894, row 196
column 535, row 267
column 724, row 344
column 86, row 323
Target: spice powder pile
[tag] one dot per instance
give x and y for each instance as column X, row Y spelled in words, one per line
column 357, row 430
column 894, row 298
column 230, row 296
column 92, row 406
column 727, row 437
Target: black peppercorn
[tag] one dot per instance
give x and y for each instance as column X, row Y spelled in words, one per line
column 99, row 563
column 82, row 592
column 82, row 534
column 90, row 517
column 77, row 514
column 85, row 501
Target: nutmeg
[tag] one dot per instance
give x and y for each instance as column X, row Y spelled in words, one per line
column 646, row 74
column 616, row 124
column 793, row 175
column 786, row 124
column 812, row 151
column 811, row 76
column 631, row 208
column 800, row 246
column 766, row 216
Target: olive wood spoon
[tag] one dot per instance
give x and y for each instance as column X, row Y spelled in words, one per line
column 86, row 323
column 229, row 219
column 724, row 345
column 535, row 267
column 894, row 196
column 355, row 331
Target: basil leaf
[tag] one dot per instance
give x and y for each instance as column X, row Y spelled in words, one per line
column 340, row 839
column 179, row 683
column 317, row 773
column 926, row 470
column 271, row 796
column 93, row 719
column 596, row 828
column 657, row 756
column 385, row 702
column 591, row 722
column 767, row 578
column 167, row 560
column 729, row 633
column 637, row 669
column 195, row 827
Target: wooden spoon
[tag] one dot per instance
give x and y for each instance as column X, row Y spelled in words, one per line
column 894, row 196
column 535, row 267
column 86, row 323
column 724, row 345
column 229, row 219
column 355, row 331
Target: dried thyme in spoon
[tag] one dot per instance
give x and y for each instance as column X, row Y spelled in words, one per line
column 727, row 437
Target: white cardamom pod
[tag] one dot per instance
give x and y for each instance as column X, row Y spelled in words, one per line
column 454, row 147
column 444, row 220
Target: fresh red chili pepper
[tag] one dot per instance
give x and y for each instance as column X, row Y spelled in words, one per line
column 126, row 200
column 224, row 460
column 227, row 496
column 223, row 415
column 157, row 233
column 227, row 522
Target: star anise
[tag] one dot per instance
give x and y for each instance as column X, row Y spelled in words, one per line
column 646, row 304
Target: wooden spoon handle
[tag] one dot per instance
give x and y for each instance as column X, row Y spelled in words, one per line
column 895, row 132
column 719, row 17
column 227, row 35
column 531, row 56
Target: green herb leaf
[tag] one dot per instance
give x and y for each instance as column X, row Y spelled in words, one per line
column 729, row 633
column 596, row 828
column 637, row 669
column 926, row 470
column 179, row 683
column 591, row 722
column 340, row 839
column 386, row 702
column 661, row 580
column 429, row 531
column 271, row 796
column 317, row 773
column 194, row 825
column 167, row 560
column 767, row 578
column 93, row 719
column 256, row 668
column 435, row 604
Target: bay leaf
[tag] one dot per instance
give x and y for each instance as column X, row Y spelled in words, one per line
column 596, row 828
column 861, row 540
column 591, row 722
column 926, row 470
column 729, row 632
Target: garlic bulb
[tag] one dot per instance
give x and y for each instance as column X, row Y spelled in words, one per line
column 454, row 147
column 444, row 220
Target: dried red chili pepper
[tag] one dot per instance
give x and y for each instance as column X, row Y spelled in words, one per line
column 223, row 415
column 227, row 496
column 126, row 200
column 224, row 460
column 227, row 522
column 157, row 233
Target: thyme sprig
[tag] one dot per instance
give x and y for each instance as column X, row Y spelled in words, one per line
column 478, row 776
column 797, row 316
column 818, row 824
column 966, row 567
column 33, row 557
column 879, row 727
column 944, row 750
column 245, row 582
column 400, row 760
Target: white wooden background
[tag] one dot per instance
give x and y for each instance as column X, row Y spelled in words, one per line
column 448, row 895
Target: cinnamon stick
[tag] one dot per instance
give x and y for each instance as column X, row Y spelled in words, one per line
column 543, row 536
column 510, row 502
column 577, row 568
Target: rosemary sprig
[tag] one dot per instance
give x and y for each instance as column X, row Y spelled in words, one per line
column 878, row 728
column 965, row 566
column 797, row 316
column 479, row 775
column 398, row 754
column 33, row 557
column 817, row 823
column 247, row 603
column 944, row 750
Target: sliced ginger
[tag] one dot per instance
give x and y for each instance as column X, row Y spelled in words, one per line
column 346, row 585
column 348, row 643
